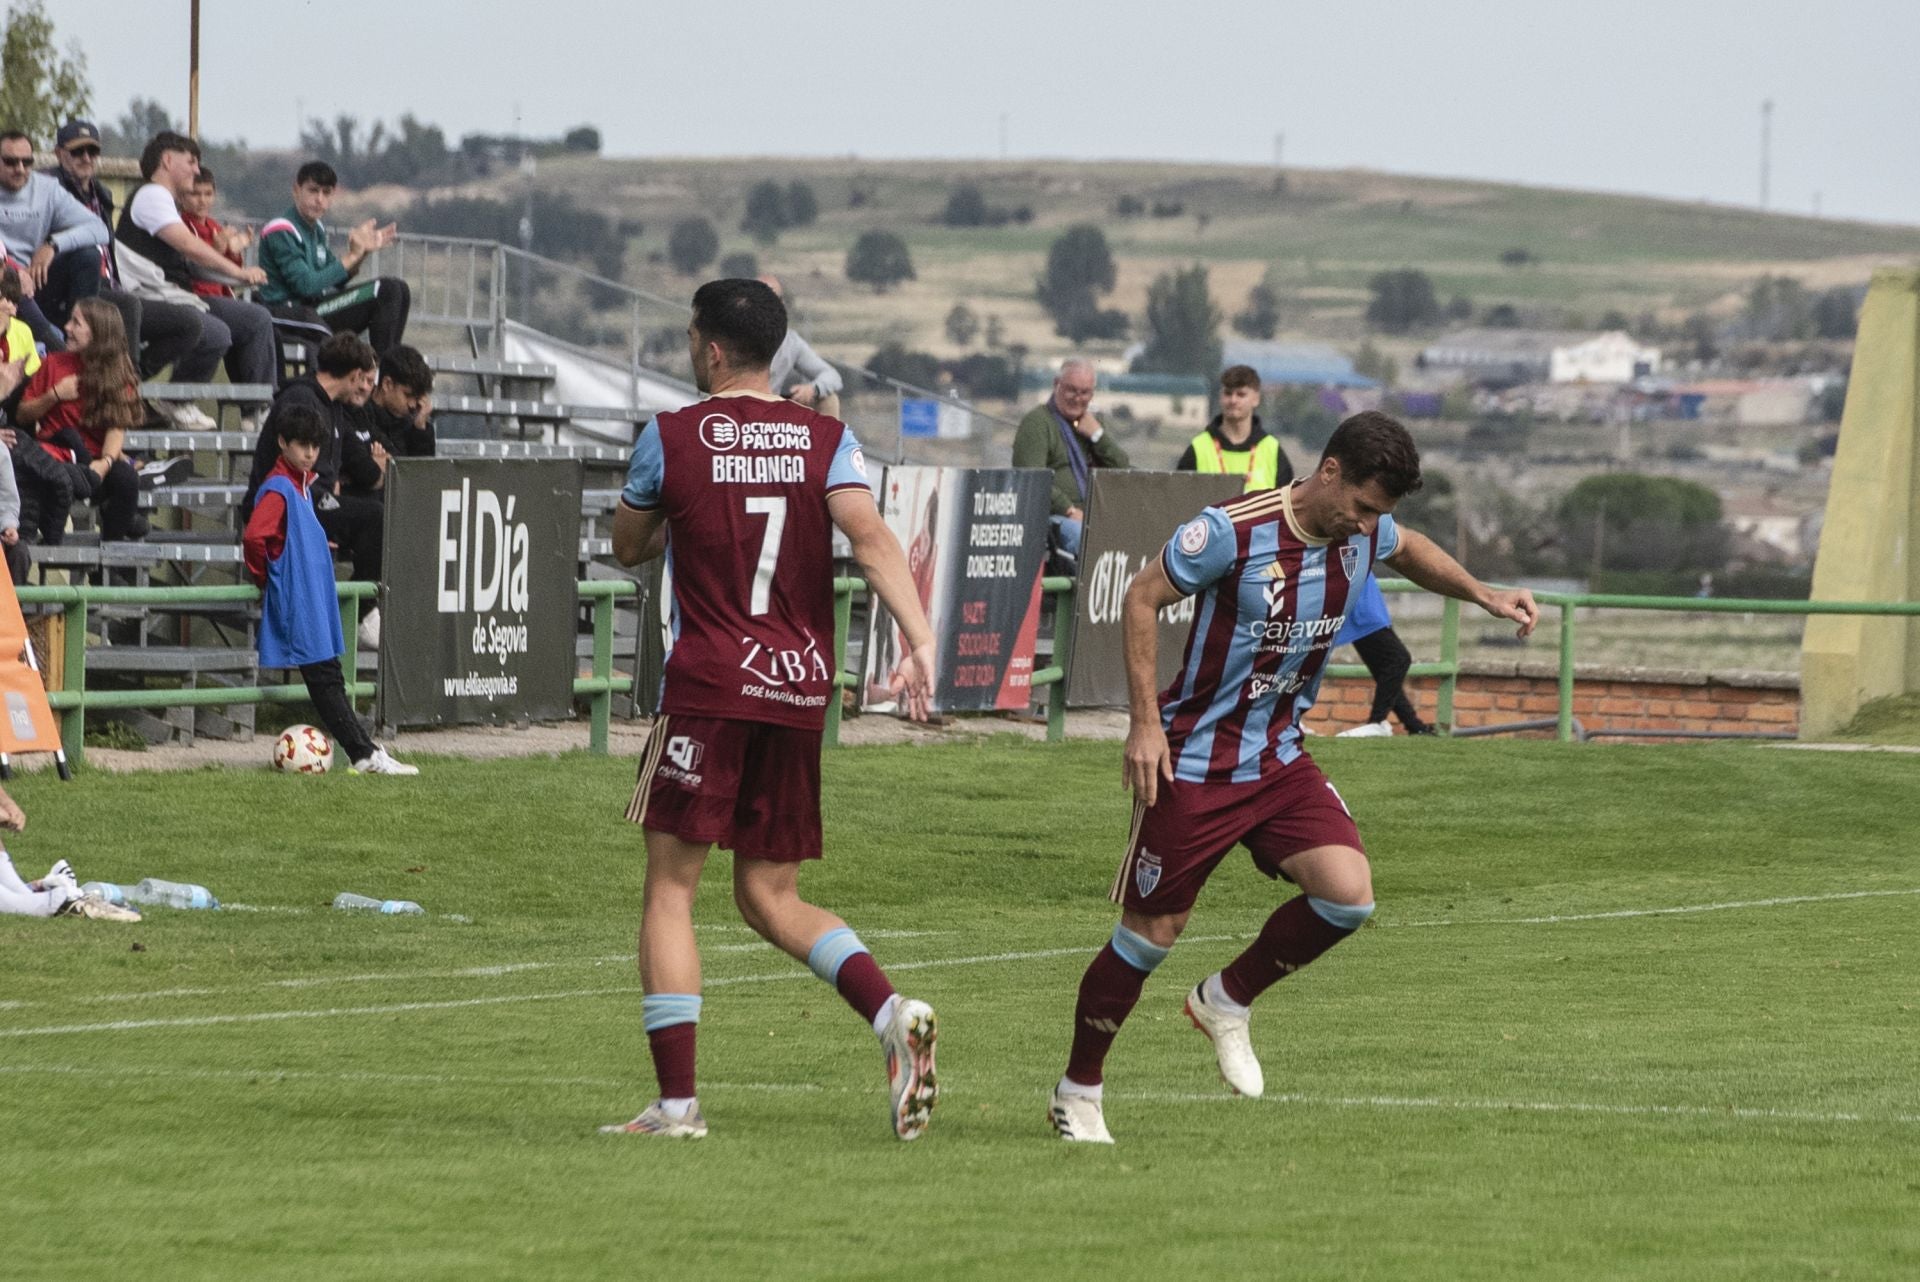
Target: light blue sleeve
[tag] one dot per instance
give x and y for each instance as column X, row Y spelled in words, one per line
column 849, row 466
column 1201, row 552
column 1387, row 540
column 645, row 470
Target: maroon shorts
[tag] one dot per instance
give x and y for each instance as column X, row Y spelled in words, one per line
column 747, row 786
column 1178, row 841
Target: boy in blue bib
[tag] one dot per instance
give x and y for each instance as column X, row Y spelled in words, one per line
column 287, row 556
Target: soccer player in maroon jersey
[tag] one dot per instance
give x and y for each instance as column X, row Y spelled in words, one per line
column 741, row 491
column 1215, row 759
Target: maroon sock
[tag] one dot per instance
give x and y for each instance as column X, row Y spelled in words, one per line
column 672, row 1049
column 1292, row 937
column 1108, row 992
column 863, row 984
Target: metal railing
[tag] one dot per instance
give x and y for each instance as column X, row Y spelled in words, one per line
column 73, row 699
column 1053, row 676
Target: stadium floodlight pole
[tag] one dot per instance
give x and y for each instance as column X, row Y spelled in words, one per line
column 193, row 71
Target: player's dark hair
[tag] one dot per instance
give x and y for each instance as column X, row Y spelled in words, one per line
column 300, row 425
column 407, row 367
column 159, row 145
column 1239, row 376
column 317, row 172
column 345, row 354
column 744, row 316
column 1375, row 446
column 10, row 285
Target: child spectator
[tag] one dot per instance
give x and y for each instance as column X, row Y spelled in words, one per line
column 19, row 355
column 306, row 281
column 83, row 402
column 287, row 556
column 196, row 212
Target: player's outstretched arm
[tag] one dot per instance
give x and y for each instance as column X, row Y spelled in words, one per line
column 1427, row 564
column 1147, row 760
column 638, row 535
column 885, row 565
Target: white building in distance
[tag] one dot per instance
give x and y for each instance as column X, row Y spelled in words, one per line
column 1605, row 358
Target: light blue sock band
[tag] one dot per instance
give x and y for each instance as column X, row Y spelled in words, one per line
column 1345, row 916
column 1137, row 950
column 664, row 1010
column 830, row 952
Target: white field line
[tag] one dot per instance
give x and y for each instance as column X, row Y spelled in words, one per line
column 1722, row 1112
column 1616, row 915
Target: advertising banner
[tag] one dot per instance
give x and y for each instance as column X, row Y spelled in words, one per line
column 976, row 541
column 478, row 608
column 1130, row 517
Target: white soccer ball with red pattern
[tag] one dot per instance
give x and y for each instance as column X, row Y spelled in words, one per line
column 303, row 750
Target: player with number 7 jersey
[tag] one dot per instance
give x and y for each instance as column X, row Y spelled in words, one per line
column 742, row 492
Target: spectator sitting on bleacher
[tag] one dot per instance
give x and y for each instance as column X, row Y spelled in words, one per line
column 306, row 281
column 49, row 237
column 342, row 381
column 19, row 356
column 196, row 210
column 152, row 229
column 82, row 403
column 397, row 420
column 183, row 333
column 286, row 555
column 19, row 561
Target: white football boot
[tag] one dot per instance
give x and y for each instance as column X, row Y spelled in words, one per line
column 1231, row 1046
column 1371, row 730
column 911, row 1086
column 654, row 1120
column 1077, row 1118
column 378, row 762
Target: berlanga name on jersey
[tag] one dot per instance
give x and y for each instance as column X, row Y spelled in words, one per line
column 756, row 453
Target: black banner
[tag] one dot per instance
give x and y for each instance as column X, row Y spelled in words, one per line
column 976, row 543
column 1130, row 517
column 477, row 611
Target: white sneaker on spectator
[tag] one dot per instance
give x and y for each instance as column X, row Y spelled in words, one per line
column 370, row 630
column 379, row 763
column 61, row 877
column 1371, row 730
column 186, row 416
column 97, row 908
column 164, row 471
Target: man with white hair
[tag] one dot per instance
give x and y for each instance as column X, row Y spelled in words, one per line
column 1064, row 437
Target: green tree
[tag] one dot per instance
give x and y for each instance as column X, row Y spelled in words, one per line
column 896, row 361
column 962, row 325
column 766, row 215
column 1629, row 521
column 584, row 139
column 1183, row 325
column 740, row 266
column 879, row 259
column 966, row 207
column 142, row 119
column 1836, row 313
column 40, row 88
column 1403, row 300
column 1502, row 316
column 803, row 207
column 1261, row 318
column 1459, row 308
column 1778, row 309
column 1371, row 362
column 1080, row 269
column 692, row 244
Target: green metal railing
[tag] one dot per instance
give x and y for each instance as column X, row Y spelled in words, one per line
column 73, row 699
column 1568, row 602
column 1054, row 676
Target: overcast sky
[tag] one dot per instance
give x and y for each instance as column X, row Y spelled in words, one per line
column 1620, row 95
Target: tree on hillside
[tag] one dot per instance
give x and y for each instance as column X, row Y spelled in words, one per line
column 1501, row 316
column 40, row 88
column 1080, row 269
column 1261, row 318
column 691, row 245
column 896, row 361
column 740, row 266
column 962, row 325
column 1459, row 308
column 766, row 215
column 879, row 259
column 966, row 207
column 1778, row 309
column 1371, row 362
column 143, row 118
column 1183, row 326
column 1628, row 521
column 1836, row 313
column 1402, row 300
column 802, row 205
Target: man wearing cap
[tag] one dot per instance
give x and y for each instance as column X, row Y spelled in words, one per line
column 168, row 333
column 50, row 238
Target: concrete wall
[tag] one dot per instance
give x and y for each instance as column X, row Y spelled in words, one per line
column 1872, row 518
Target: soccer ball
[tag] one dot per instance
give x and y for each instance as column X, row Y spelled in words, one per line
column 303, row 750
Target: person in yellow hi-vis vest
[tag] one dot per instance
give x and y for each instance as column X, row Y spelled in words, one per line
column 1234, row 441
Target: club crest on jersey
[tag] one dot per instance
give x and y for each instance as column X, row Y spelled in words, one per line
column 719, row 432
column 1349, row 560
column 1193, row 536
column 1146, row 872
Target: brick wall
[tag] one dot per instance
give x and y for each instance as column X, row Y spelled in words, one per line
column 1490, row 693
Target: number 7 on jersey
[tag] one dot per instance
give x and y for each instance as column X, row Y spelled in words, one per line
column 775, row 510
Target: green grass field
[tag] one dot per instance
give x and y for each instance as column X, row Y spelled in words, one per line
column 1523, row 1069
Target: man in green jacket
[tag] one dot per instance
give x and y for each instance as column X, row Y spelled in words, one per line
column 308, row 285
column 1063, row 436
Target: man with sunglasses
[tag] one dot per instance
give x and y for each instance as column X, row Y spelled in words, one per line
column 51, row 239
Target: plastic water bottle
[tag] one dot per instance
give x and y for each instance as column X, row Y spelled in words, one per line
column 347, row 899
column 106, row 890
column 172, row 894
